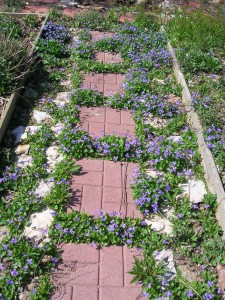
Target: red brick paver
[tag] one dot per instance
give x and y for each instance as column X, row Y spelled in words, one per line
column 99, row 35
column 101, row 121
column 127, row 18
column 108, row 84
column 35, row 9
column 87, row 273
column 71, row 12
column 108, row 58
column 104, row 185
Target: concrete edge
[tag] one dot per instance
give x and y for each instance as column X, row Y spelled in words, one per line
column 211, row 172
column 11, row 104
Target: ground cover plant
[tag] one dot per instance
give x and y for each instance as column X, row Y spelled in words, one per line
column 199, row 42
column 149, row 90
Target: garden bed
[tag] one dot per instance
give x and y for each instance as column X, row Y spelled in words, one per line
column 8, row 102
column 79, row 136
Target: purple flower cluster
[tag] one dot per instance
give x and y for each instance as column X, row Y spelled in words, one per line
column 214, row 140
column 56, row 32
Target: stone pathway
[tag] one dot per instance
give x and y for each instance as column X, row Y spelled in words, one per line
column 87, row 273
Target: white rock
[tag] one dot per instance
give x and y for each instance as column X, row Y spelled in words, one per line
column 57, row 128
column 195, row 190
column 155, row 121
column 66, row 83
column 22, row 149
column 41, row 116
column 166, row 256
column 157, row 226
column 39, row 225
column 32, row 129
column 19, row 133
column 23, row 160
column 152, row 173
column 175, row 138
column 44, row 188
column 161, row 225
column 62, row 99
column 53, row 157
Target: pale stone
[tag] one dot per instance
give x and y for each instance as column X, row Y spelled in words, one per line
column 57, row 128
column 39, row 225
column 19, row 133
column 166, row 256
column 23, row 160
column 44, row 188
column 22, row 149
column 62, row 99
column 32, row 129
column 152, row 173
column 53, row 157
column 30, row 93
column 161, row 225
column 157, row 226
column 66, row 83
column 41, row 116
column 155, row 121
column 195, row 190
column 175, row 138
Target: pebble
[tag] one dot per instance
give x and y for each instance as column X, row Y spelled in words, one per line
column 23, row 160
column 43, row 189
column 22, row 149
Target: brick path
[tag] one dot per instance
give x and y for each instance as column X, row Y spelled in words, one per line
column 104, row 185
column 101, row 121
column 86, row 273
column 108, row 84
column 90, row 274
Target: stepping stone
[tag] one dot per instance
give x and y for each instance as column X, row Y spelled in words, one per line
column 35, row 9
column 103, row 185
column 108, row 84
column 101, row 121
column 99, row 35
column 86, row 272
column 128, row 17
column 108, row 58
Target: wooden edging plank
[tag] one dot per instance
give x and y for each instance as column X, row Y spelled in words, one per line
column 211, row 172
column 11, row 104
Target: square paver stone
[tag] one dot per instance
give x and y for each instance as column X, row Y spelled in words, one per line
column 96, row 274
column 103, row 185
column 103, row 121
column 108, row 84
